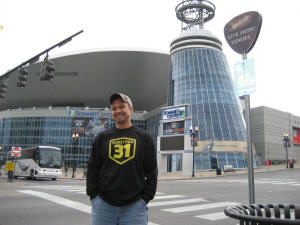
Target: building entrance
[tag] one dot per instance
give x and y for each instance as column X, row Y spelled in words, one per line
column 174, row 162
column 213, row 162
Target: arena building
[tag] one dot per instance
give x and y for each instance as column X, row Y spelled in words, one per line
column 77, row 99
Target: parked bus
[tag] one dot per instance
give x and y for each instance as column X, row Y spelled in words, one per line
column 39, row 162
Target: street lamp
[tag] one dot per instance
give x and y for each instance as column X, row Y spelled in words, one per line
column 193, row 135
column 286, row 143
column 75, row 137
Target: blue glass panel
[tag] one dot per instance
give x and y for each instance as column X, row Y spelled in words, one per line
column 240, row 160
column 231, row 160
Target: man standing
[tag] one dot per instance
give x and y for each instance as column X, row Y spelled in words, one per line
column 122, row 170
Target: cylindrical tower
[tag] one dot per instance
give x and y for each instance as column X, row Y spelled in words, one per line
column 200, row 76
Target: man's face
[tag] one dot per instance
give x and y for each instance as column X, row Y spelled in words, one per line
column 121, row 111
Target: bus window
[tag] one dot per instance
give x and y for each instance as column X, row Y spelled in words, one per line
column 50, row 158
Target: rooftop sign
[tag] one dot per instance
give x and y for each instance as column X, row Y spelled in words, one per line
column 242, row 31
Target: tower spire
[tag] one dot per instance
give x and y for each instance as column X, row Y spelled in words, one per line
column 194, row 13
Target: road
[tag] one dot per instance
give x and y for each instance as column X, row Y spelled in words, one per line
column 177, row 202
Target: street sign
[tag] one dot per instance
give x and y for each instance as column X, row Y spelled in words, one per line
column 244, row 77
column 16, row 151
column 9, row 166
column 242, row 31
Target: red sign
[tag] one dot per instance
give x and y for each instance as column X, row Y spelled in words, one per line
column 242, row 31
column 16, row 151
column 296, row 136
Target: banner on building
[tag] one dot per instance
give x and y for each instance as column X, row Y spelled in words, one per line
column 296, row 136
column 89, row 126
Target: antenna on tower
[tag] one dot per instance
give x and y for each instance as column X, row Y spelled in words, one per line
column 194, row 13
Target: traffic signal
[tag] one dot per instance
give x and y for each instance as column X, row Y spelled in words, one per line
column 3, row 87
column 48, row 70
column 22, row 78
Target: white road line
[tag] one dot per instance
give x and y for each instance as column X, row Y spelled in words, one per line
column 291, row 182
column 199, row 207
column 76, row 190
column 57, row 187
column 213, row 216
column 159, row 193
column 168, row 196
column 59, row 200
column 175, row 202
column 63, row 201
column 257, row 181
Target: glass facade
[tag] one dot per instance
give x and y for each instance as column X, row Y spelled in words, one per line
column 201, row 77
column 56, row 131
column 206, row 161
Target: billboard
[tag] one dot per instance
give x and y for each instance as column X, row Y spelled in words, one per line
column 296, row 136
column 89, row 126
column 175, row 127
column 174, row 113
column 242, row 31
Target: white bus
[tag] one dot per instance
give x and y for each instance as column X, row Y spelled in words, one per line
column 39, row 162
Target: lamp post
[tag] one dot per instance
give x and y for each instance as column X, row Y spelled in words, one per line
column 193, row 135
column 286, row 143
column 75, row 137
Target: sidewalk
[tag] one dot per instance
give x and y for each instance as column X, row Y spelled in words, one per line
column 179, row 176
column 198, row 174
column 212, row 173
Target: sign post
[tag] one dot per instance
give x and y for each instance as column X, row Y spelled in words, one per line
column 241, row 34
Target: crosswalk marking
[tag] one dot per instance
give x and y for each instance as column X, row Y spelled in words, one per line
column 213, row 216
column 175, row 202
column 161, row 200
column 75, row 190
column 63, row 201
column 59, row 200
column 57, row 187
column 199, row 207
column 168, row 197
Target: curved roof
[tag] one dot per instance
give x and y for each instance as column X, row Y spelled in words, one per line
column 88, row 79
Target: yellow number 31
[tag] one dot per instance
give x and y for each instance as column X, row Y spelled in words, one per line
column 119, row 151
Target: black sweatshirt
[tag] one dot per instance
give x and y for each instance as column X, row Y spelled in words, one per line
column 122, row 167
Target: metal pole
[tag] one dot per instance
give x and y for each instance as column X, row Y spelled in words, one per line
column 286, row 150
column 193, row 173
column 249, row 148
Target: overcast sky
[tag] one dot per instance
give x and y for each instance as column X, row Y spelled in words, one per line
column 32, row 26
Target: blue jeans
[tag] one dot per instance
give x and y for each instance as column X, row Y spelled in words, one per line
column 104, row 213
